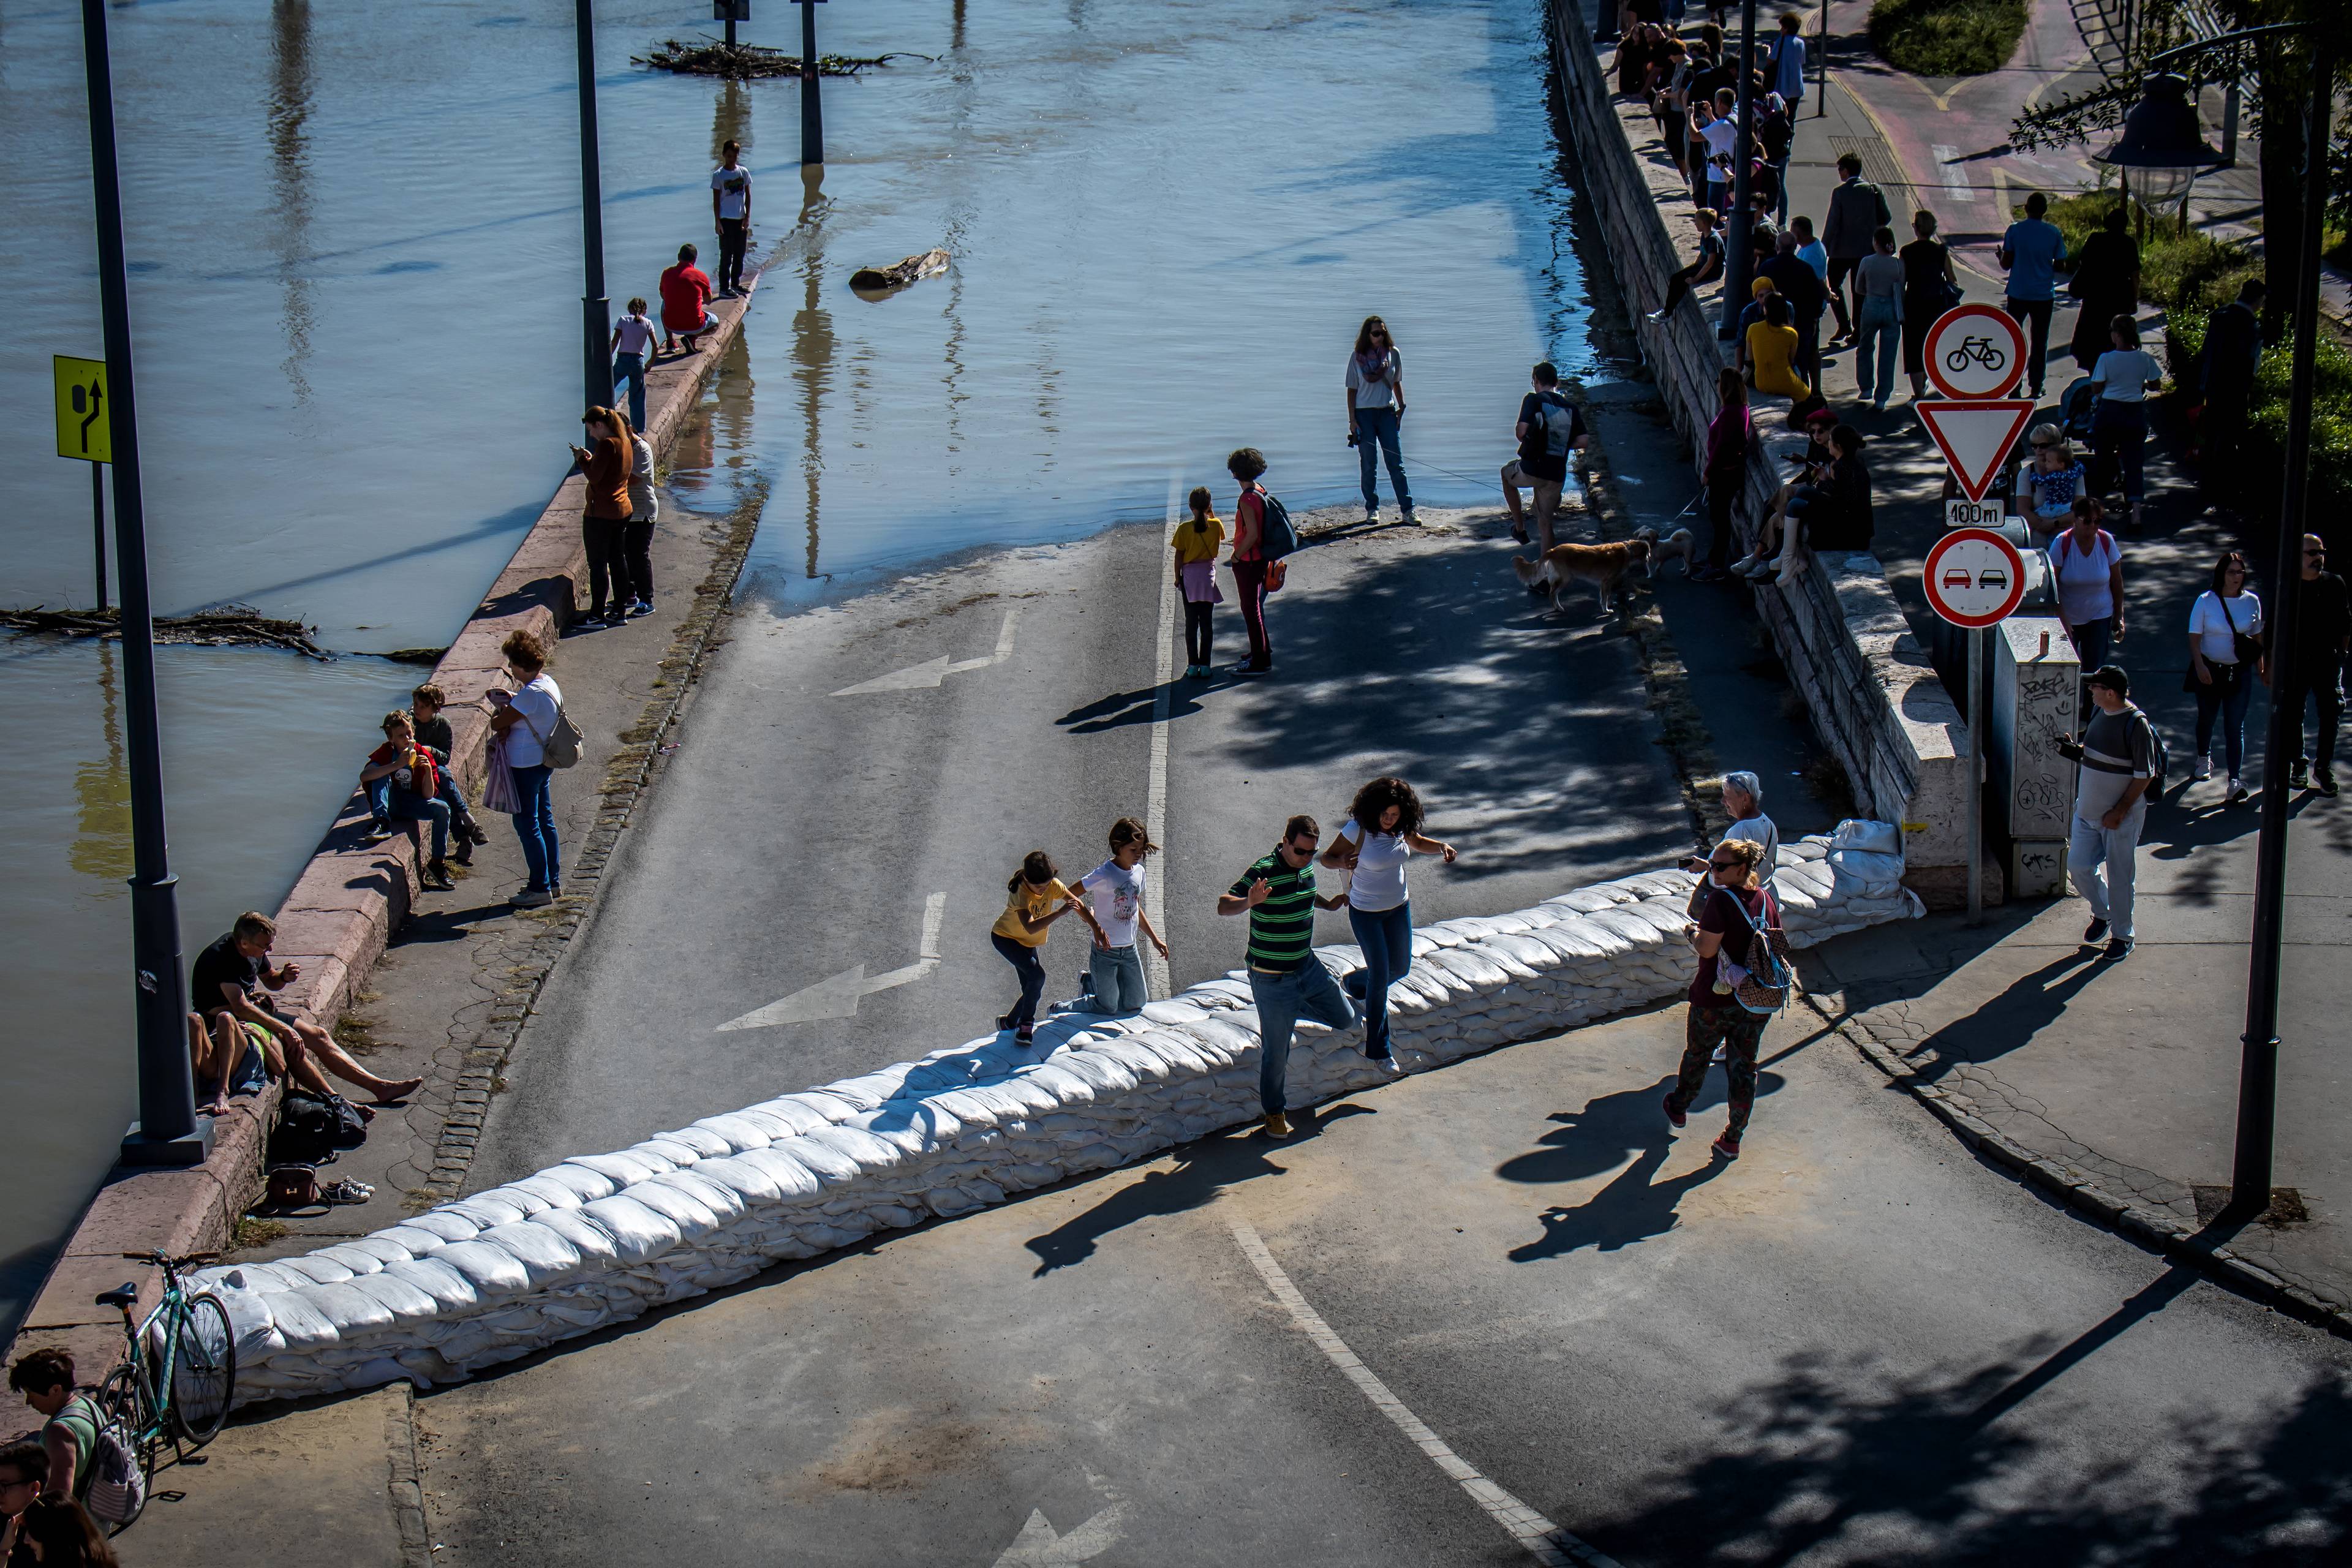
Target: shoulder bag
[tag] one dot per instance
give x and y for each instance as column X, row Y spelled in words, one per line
column 561, row 745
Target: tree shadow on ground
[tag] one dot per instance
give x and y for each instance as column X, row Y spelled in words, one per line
column 1202, row 1171
column 1835, row 1458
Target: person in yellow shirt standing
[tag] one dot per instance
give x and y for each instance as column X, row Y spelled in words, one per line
column 1034, row 899
column 1196, row 545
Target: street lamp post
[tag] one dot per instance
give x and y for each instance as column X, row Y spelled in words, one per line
column 1740, row 224
column 812, row 106
column 168, row 1132
column 2161, row 132
column 595, row 310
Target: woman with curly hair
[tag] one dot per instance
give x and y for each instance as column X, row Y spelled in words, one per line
column 1381, row 833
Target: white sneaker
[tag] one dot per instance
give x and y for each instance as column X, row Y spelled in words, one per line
column 1719, row 1056
column 2204, row 768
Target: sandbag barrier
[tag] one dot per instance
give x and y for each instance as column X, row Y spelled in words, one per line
column 600, row 1239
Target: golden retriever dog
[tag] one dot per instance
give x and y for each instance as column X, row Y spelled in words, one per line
column 1602, row 565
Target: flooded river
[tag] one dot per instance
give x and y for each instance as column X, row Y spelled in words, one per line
column 353, row 234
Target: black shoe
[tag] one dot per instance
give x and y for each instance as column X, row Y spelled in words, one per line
column 2094, row 933
column 2120, row 947
column 2324, row 783
column 2299, row 775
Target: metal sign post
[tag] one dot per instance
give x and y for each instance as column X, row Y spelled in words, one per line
column 85, row 433
column 1975, row 578
column 811, row 106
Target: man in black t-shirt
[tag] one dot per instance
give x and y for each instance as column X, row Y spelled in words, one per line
column 1549, row 427
column 2322, row 632
column 233, row 975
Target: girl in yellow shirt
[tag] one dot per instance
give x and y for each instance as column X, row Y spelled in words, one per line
column 1034, row 899
column 1772, row 351
column 1195, row 545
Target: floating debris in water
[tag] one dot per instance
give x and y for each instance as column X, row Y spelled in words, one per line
column 224, row 626
column 714, row 57
column 899, row 274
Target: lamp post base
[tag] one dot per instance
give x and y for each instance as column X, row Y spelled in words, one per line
column 141, row 1152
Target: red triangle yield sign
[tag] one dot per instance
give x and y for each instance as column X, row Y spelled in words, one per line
column 1976, row 436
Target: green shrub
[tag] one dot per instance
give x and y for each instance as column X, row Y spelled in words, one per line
column 1947, row 38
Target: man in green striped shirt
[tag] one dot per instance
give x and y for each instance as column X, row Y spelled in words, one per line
column 1286, row 980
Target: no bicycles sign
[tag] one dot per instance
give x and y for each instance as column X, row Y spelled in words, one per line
column 1974, row 351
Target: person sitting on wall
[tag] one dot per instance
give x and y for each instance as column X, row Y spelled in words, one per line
column 1834, row 517
column 234, row 976
column 226, row 1057
column 1811, row 468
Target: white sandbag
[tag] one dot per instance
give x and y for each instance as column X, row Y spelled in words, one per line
column 1872, row 837
column 386, row 1248
column 623, row 1167
column 826, row 1162
column 862, row 1147
column 721, row 1204
column 588, row 1185
column 593, row 1241
column 1637, row 931
column 451, row 1292
column 1865, row 869
column 1109, row 1079
column 553, row 1193
column 317, row 1269
column 298, row 1320
column 881, row 1085
column 1067, row 1088
column 795, row 1113
column 492, row 1271
column 488, row 1209
column 831, row 1106
column 398, row 1296
column 1174, row 1010
column 250, row 1326
column 352, row 1256
column 639, row 1232
column 704, row 1144
column 540, row 1250
column 1587, row 901
column 443, row 1223
column 743, row 1130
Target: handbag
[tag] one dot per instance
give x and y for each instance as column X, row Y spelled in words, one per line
column 498, row 792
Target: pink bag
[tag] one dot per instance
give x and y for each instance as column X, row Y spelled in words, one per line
column 499, row 792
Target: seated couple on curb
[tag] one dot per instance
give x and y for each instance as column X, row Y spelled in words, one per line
column 230, row 986
column 408, row 781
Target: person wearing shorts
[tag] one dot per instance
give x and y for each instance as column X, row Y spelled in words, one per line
column 1549, row 426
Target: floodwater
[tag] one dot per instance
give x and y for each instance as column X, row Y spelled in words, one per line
column 354, row 241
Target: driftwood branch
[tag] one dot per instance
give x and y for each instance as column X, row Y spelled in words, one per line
column 229, row 626
column 715, row 56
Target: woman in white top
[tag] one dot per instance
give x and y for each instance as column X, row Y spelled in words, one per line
column 1382, row 830
column 2087, row 565
column 2124, row 376
column 633, row 350
column 1375, row 407
column 2222, row 654
column 523, row 719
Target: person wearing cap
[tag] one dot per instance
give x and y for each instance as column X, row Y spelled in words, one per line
column 2055, row 478
column 2117, row 752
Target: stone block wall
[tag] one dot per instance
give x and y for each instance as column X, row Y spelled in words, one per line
column 600, row 1239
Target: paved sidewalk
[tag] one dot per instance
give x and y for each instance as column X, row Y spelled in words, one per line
column 2125, row 1073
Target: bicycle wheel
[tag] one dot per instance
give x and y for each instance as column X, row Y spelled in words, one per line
column 204, row 1369
column 123, row 1399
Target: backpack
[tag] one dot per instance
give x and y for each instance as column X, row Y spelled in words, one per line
column 1762, row 983
column 112, row 1487
column 1276, row 536
column 561, row 745
column 312, row 1129
column 2160, row 760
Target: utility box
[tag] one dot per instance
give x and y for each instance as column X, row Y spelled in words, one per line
column 2035, row 699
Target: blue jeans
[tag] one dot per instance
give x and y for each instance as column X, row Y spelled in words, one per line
column 2119, row 440
column 1882, row 319
column 379, row 793
column 2226, row 698
column 631, row 368
column 1380, row 425
column 1780, row 173
column 1282, row 1000
column 407, row 805
column 1031, row 967
column 1386, row 937
column 535, row 825
column 1118, row 974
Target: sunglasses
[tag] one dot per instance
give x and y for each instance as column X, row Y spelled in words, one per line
column 1724, row 865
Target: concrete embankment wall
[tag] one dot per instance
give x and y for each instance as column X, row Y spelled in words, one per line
column 1873, row 696
column 600, row 1239
column 343, row 910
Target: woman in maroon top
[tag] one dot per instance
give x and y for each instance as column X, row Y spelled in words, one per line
column 1249, row 556
column 1728, row 441
column 1716, row 1018
column 606, row 462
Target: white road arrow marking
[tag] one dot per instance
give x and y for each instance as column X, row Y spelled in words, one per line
column 836, row 995
column 1040, row 1546
column 931, row 672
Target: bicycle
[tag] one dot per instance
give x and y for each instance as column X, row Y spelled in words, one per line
column 178, row 1375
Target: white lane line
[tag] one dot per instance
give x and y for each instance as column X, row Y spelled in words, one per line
column 1538, row 1536
column 1955, row 178
column 838, row 996
column 931, row 672
column 1155, row 799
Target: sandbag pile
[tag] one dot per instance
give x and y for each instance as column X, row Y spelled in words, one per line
column 600, row 1238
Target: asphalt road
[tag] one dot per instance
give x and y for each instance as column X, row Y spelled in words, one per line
column 798, row 834
column 1853, row 1346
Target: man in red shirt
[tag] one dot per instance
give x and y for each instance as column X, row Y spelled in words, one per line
column 685, row 291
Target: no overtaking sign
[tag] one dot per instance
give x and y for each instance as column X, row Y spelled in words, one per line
column 1975, row 577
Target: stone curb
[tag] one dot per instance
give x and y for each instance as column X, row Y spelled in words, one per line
column 2157, row 1229
column 349, row 900
column 601, row 1238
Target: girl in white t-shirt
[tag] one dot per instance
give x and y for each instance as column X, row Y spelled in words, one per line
column 2224, row 680
column 1115, row 888
column 1382, row 831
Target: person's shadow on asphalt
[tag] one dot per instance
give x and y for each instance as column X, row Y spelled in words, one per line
column 1631, row 1207
column 1202, row 1170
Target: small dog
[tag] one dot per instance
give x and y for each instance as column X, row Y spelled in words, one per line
column 1678, row 543
column 1602, row 565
